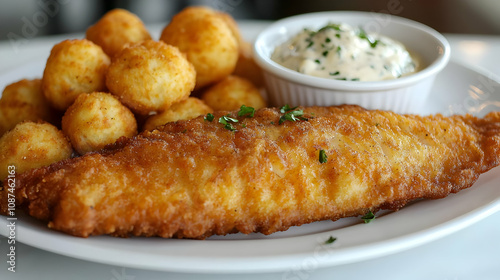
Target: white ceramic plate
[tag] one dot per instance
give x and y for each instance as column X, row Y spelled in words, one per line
column 457, row 90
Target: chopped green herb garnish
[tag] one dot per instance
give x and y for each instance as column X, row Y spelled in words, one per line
column 246, row 111
column 317, row 61
column 368, row 217
column 226, row 121
column 355, row 79
column 230, row 127
column 330, row 240
column 286, row 108
column 362, row 34
column 339, row 49
column 328, row 40
column 332, row 26
column 341, row 79
column 337, row 35
column 230, row 119
column 310, row 44
column 334, row 73
column 291, row 114
column 325, row 53
column 323, row 158
column 209, row 117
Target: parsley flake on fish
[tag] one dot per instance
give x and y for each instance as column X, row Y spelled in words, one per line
column 226, row 121
column 368, row 217
column 323, row 158
column 246, row 111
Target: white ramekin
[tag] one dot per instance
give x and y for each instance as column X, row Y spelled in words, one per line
column 403, row 95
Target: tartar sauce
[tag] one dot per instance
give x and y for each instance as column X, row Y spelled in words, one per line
column 339, row 51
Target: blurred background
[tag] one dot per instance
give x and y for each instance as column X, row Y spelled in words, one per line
column 32, row 18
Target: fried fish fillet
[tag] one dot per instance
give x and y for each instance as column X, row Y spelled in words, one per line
column 197, row 178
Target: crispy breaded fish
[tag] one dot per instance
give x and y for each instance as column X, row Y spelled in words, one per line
column 265, row 173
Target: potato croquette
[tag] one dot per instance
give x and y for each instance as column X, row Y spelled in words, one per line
column 95, row 120
column 232, row 92
column 207, row 40
column 232, row 24
column 150, row 76
column 22, row 101
column 116, row 29
column 246, row 66
column 73, row 67
column 31, row 145
column 187, row 109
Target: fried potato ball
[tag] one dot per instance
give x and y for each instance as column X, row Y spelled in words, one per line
column 95, row 120
column 116, row 29
column 31, row 145
column 150, row 76
column 186, row 109
column 232, row 24
column 73, row 67
column 207, row 40
column 21, row 101
column 246, row 66
column 232, row 92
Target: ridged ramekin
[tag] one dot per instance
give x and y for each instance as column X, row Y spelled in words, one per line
column 403, row 95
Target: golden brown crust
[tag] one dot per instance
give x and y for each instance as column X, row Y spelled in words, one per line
column 150, row 76
column 116, row 29
column 207, row 40
column 31, row 145
column 73, row 67
column 24, row 101
column 232, row 92
column 95, row 120
column 246, row 66
column 186, row 109
column 195, row 178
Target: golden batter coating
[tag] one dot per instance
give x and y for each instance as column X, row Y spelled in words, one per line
column 196, row 178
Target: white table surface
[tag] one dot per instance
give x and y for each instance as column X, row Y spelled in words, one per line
column 472, row 253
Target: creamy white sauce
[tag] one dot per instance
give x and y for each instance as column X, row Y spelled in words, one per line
column 339, row 51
